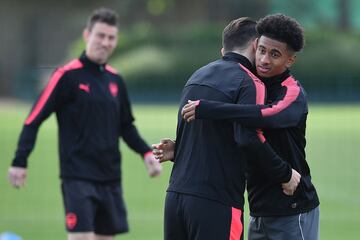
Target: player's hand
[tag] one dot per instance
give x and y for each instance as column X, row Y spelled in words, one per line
column 153, row 165
column 17, row 176
column 189, row 110
column 290, row 187
column 164, row 151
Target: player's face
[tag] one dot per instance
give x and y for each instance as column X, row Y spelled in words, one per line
column 101, row 41
column 272, row 57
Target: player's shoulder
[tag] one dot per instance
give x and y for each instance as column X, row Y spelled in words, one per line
column 294, row 85
column 248, row 74
column 61, row 72
column 114, row 73
column 111, row 69
column 71, row 65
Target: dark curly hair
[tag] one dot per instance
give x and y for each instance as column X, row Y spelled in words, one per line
column 282, row 28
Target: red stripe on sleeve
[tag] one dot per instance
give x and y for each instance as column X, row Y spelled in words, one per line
column 236, row 228
column 291, row 95
column 260, row 96
column 50, row 88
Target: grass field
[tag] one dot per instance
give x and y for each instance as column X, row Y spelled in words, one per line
column 36, row 212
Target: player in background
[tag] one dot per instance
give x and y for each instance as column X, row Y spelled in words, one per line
column 93, row 111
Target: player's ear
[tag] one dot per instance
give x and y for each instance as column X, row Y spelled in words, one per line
column 222, row 51
column 290, row 61
column 255, row 43
column 86, row 34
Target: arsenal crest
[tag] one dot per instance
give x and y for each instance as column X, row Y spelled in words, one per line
column 113, row 87
column 71, row 220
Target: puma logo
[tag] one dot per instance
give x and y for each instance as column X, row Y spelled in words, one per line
column 84, row 87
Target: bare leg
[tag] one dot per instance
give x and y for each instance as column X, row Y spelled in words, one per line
column 81, row 236
column 103, row 237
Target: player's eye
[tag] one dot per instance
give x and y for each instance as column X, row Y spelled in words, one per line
column 262, row 51
column 275, row 55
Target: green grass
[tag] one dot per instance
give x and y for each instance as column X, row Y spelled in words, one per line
column 36, row 211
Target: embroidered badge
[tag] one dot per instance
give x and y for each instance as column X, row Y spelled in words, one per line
column 84, row 87
column 113, row 89
column 71, row 220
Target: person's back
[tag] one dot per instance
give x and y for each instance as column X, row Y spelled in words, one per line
column 207, row 161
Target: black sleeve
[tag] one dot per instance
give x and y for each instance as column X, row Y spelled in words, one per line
column 284, row 113
column 254, row 141
column 51, row 97
column 128, row 130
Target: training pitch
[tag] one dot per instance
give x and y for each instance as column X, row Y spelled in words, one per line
column 36, row 212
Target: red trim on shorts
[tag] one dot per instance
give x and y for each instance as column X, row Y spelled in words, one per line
column 236, row 229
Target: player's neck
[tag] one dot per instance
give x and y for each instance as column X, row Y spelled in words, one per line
column 248, row 53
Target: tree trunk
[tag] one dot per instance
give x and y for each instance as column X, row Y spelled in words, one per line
column 344, row 15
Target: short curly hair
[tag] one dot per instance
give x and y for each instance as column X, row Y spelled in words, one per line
column 282, row 28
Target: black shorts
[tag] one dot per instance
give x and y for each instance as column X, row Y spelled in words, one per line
column 94, row 207
column 193, row 218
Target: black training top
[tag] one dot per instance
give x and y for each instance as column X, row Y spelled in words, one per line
column 284, row 121
column 93, row 110
column 210, row 155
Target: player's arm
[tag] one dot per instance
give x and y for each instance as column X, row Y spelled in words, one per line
column 284, row 113
column 132, row 137
column 271, row 164
column 50, row 98
column 266, row 159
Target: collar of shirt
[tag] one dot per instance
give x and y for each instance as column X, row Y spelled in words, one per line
column 232, row 56
column 90, row 64
column 276, row 80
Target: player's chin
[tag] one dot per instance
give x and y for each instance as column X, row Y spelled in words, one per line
column 103, row 58
column 264, row 74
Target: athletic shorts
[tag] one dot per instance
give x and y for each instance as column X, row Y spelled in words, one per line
column 193, row 218
column 303, row 226
column 94, row 207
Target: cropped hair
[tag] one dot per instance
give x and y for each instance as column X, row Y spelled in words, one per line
column 282, row 28
column 102, row 15
column 238, row 33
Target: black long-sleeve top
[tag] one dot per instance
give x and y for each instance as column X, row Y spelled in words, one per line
column 284, row 119
column 93, row 111
column 210, row 155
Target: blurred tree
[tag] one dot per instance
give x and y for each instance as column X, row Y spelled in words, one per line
column 344, row 15
column 254, row 9
column 165, row 34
